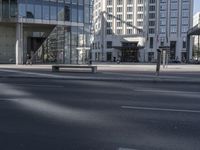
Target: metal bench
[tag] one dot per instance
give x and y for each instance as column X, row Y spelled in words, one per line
column 56, row 68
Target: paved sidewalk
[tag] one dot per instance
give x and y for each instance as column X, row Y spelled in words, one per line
column 138, row 72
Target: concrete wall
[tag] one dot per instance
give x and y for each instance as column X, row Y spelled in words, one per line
column 7, row 43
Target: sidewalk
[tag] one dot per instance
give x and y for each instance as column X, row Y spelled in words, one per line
column 136, row 73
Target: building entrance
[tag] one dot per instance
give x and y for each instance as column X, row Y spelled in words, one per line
column 129, row 52
column 129, row 55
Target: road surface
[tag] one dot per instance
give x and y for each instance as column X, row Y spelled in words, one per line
column 51, row 114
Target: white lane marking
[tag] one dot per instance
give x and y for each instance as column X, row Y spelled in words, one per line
column 161, row 109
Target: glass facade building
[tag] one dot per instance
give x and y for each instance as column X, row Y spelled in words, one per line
column 51, row 31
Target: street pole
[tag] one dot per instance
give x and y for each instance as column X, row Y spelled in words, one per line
column 164, row 58
column 198, row 53
column 158, row 62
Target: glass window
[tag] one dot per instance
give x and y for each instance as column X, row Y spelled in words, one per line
column 53, row 12
column 80, row 36
column 5, row 8
column 61, row 13
column 67, row 1
column 22, row 8
column 74, row 1
column 67, row 13
column 80, row 2
column 13, row 8
column 45, row 12
column 30, row 10
column 74, row 14
column 87, row 14
column 53, row 9
column 38, row 11
column 74, row 36
column 80, row 14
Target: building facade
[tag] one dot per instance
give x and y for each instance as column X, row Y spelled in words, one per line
column 196, row 39
column 48, row 31
column 133, row 30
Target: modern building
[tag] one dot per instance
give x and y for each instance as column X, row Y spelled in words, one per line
column 48, row 31
column 196, row 39
column 133, row 30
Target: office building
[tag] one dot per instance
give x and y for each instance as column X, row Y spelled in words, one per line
column 196, row 39
column 48, row 31
column 133, row 30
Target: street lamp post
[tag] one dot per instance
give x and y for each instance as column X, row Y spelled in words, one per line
column 19, row 41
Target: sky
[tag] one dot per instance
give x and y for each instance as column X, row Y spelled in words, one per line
column 196, row 6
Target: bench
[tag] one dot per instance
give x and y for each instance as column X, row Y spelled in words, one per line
column 56, row 68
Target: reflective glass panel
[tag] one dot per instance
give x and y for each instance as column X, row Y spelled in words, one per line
column 5, row 8
column 74, row 14
column 46, row 12
column 13, row 8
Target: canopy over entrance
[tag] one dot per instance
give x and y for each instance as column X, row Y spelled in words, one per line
column 193, row 31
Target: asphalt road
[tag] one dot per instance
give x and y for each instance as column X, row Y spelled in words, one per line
column 39, row 114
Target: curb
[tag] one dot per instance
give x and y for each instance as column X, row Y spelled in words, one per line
column 139, row 80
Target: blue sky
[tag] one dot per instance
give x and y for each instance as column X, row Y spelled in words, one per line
column 196, row 6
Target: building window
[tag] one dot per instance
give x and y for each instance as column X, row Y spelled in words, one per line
column 109, row 10
column 152, row 8
column 109, row 2
column 162, row 29
column 46, row 12
column 129, row 9
column 119, row 24
column 151, row 23
column 109, row 44
column 129, row 16
column 129, row 31
column 140, row 8
column 174, row 21
column 151, row 42
column 119, row 9
column 74, row 13
column 139, row 23
column 119, row 31
column 119, row 2
column 151, row 31
column 38, row 11
column 5, row 8
column 129, row 2
column 140, row 1
column 173, row 29
column 109, row 56
column 13, row 8
column 109, row 31
column 152, row 15
column 184, row 29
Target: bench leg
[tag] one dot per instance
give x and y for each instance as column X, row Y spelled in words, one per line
column 94, row 70
column 55, row 69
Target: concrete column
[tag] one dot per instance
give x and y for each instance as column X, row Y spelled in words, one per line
column 188, row 48
column 19, row 44
column 179, row 46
